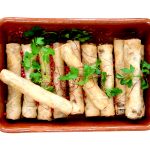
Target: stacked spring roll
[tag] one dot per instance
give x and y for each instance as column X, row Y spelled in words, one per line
column 75, row 91
column 44, row 112
column 13, row 106
column 29, row 108
column 89, row 56
column 119, row 64
column 134, row 107
column 60, row 86
column 105, row 53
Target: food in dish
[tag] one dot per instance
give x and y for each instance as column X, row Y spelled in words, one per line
column 73, row 76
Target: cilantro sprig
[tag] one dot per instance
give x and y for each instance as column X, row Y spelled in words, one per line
column 113, row 92
column 145, row 67
column 73, row 74
column 127, row 76
column 64, row 35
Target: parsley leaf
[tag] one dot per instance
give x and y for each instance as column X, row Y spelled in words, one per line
column 144, row 84
column 103, row 77
column 46, row 51
column 127, row 76
column 35, row 49
column 39, row 41
column 73, row 74
column 75, row 34
column 36, row 77
column 130, row 70
column 88, row 71
column 33, row 32
column 145, row 67
column 27, row 60
column 36, row 65
column 113, row 92
column 49, row 88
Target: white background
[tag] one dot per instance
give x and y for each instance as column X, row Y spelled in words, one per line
column 76, row 9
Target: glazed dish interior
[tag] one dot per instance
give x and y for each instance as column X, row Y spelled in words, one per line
column 103, row 31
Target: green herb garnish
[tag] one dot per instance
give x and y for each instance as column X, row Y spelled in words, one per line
column 47, row 51
column 113, row 92
column 73, row 74
column 145, row 67
column 36, row 65
column 75, row 34
column 27, row 60
column 89, row 71
column 36, row 77
column 49, row 88
column 127, row 76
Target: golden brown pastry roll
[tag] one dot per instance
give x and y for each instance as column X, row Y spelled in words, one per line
column 75, row 91
column 119, row 64
column 105, row 55
column 44, row 112
column 29, row 108
column 135, row 107
column 60, row 86
column 89, row 57
column 13, row 106
column 35, row 92
column 98, row 97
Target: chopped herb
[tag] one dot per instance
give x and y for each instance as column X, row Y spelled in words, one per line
column 127, row 76
column 144, row 84
column 35, row 49
column 88, row 71
column 36, row 77
column 145, row 67
column 27, row 60
column 73, row 74
column 51, row 37
column 46, row 51
column 113, row 92
column 127, row 71
column 103, row 78
column 39, row 41
column 49, row 88
column 36, row 65
column 75, row 34
column 35, row 31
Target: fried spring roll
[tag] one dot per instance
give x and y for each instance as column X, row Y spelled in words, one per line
column 13, row 106
column 97, row 96
column 89, row 56
column 29, row 108
column 75, row 91
column 44, row 112
column 119, row 64
column 60, row 86
column 105, row 55
column 35, row 92
column 135, row 107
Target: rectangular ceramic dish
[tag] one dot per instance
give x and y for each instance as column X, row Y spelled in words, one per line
column 104, row 30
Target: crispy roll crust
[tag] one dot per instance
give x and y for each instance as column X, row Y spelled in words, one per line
column 29, row 108
column 13, row 106
column 106, row 57
column 44, row 112
column 75, row 91
column 60, row 86
column 135, row 107
column 119, row 64
column 89, row 56
column 36, row 92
